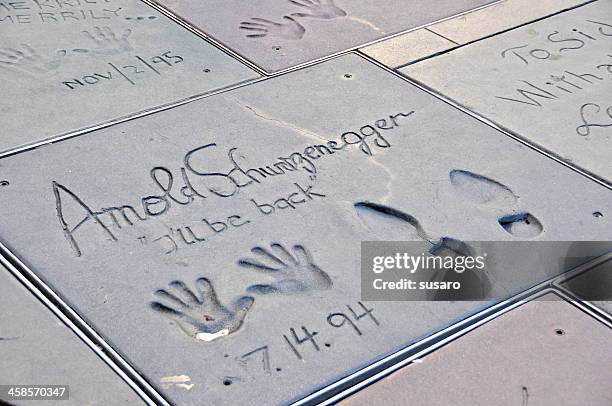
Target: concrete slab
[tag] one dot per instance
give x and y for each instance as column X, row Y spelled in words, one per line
column 276, row 35
column 439, row 37
column 548, row 82
column 69, row 65
column 398, row 51
column 38, row 349
column 544, row 352
column 595, row 285
column 286, row 167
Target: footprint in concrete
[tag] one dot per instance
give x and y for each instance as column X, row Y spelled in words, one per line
column 522, row 225
column 485, row 191
column 482, row 190
column 390, row 224
column 200, row 315
column 395, row 225
column 294, row 273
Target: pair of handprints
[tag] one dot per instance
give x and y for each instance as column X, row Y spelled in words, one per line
column 27, row 60
column 289, row 27
column 202, row 316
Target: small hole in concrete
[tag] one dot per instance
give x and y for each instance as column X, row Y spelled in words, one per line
column 4, row 183
column 348, row 75
column 276, row 48
column 597, row 214
column 559, row 332
column 206, row 70
column 227, row 382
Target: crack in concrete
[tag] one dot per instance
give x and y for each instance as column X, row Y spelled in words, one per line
column 390, row 177
column 279, row 122
column 366, row 23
